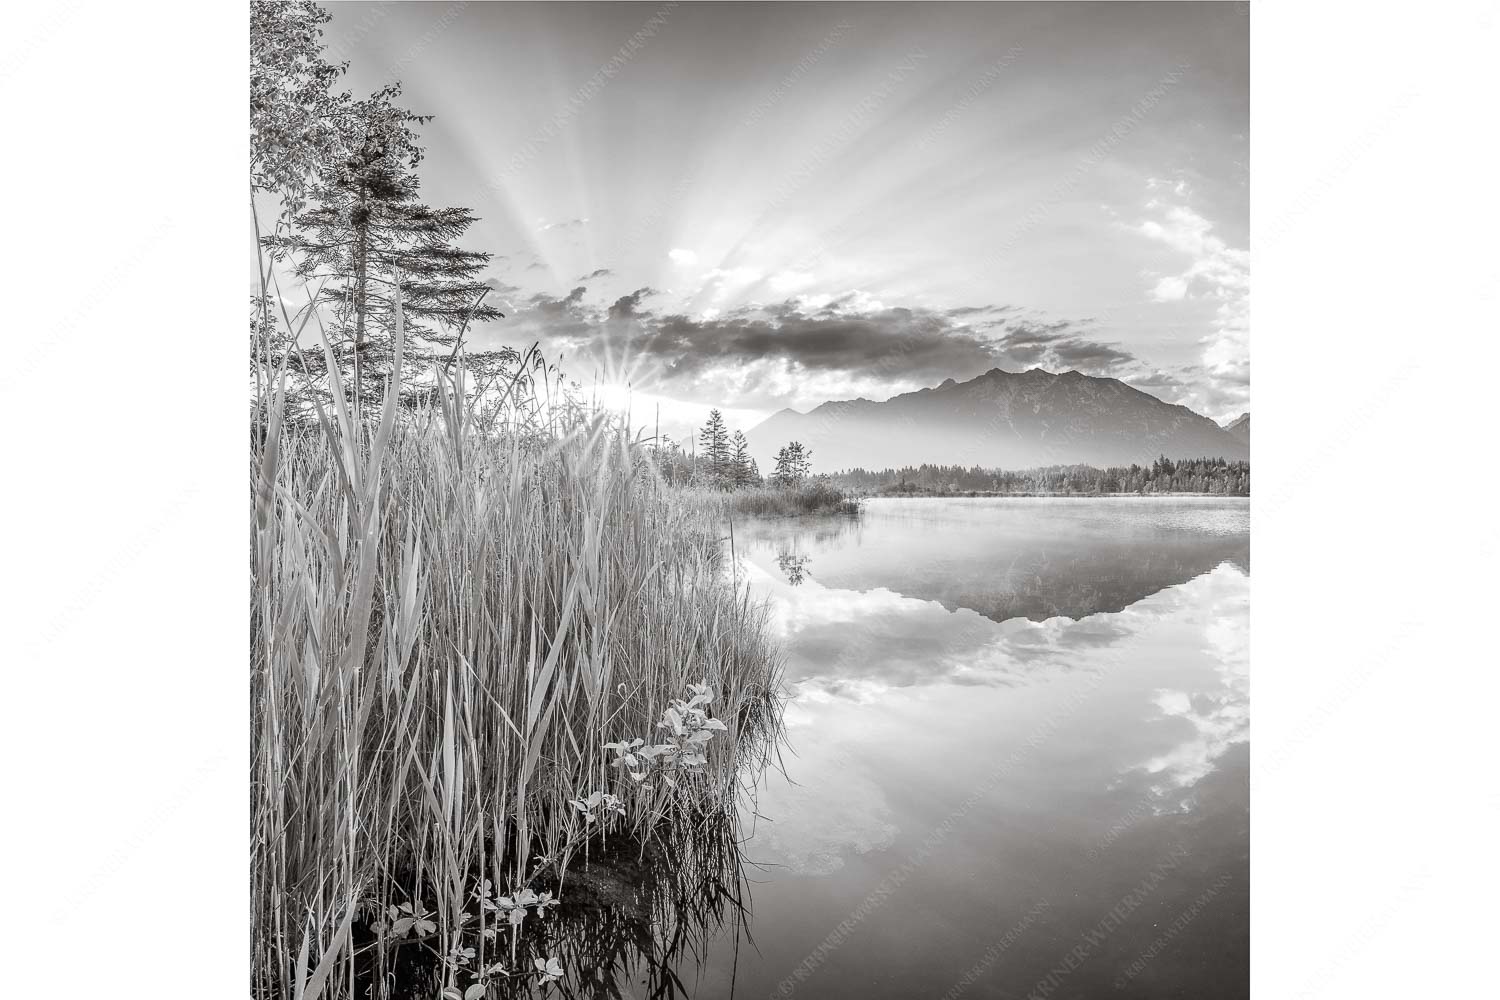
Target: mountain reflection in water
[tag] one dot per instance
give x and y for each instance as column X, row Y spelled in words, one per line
column 1042, row 557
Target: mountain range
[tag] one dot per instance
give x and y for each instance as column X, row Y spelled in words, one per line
column 1240, row 427
column 1005, row 420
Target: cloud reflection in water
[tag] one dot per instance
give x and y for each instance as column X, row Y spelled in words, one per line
column 906, row 649
column 876, row 675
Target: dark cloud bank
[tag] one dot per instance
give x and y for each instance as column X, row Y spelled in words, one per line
column 735, row 358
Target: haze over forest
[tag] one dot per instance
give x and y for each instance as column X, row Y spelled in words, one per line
column 1004, row 420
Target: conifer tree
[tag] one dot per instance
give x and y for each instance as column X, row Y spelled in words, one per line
column 793, row 464
column 741, row 465
column 716, row 453
column 364, row 228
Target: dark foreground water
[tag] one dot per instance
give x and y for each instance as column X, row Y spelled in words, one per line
column 1019, row 743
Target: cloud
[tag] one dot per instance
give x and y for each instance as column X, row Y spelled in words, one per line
column 1216, row 269
column 629, row 306
column 547, row 305
column 769, row 354
column 1156, row 381
column 1057, row 347
column 1218, row 273
column 681, row 257
column 721, row 281
column 546, row 227
column 602, row 272
column 1169, row 289
column 800, row 350
column 979, row 310
column 503, row 294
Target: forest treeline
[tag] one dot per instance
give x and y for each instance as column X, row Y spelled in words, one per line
column 1215, row 476
column 721, row 461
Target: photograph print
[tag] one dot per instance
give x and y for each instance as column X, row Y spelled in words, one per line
column 749, row 500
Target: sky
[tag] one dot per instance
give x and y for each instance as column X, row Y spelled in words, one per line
column 755, row 206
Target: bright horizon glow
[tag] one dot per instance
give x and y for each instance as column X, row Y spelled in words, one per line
column 679, row 419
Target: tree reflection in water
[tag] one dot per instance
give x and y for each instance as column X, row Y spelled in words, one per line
column 793, row 566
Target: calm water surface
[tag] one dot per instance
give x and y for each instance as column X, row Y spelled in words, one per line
column 1019, row 740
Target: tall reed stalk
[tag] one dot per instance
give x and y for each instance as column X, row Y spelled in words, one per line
column 450, row 617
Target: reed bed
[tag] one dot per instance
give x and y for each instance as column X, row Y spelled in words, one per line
column 451, row 617
column 812, row 497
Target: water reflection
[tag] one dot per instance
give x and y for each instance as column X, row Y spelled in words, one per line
column 639, row 923
column 635, row 921
column 861, row 641
column 1038, row 558
column 1218, row 713
column 997, row 761
column 793, row 567
column 953, row 774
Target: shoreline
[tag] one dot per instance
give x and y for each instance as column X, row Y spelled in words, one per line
column 980, row 495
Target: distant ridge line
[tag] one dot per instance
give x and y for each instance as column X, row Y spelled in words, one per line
column 1004, row 420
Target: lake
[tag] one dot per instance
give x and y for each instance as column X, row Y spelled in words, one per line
column 1018, row 748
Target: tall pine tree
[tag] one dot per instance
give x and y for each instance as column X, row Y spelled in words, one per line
column 716, row 454
column 366, row 227
column 793, row 464
column 741, row 465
